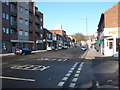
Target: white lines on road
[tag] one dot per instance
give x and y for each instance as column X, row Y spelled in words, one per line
column 13, row 78
column 74, row 79
column 61, row 84
column 72, row 75
column 78, row 72
column 65, row 78
column 76, row 75
column 30, row 67
column 54, row 59
column 72, row 85
column 67, row 74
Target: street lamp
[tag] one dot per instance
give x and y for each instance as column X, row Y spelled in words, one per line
column 84, row 18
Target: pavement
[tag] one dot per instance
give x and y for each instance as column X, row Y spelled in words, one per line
column 9, row 54
column 109, row 70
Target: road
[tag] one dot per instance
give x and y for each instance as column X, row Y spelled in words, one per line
column 51, row 69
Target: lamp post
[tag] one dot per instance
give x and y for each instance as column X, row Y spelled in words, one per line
column 84, row 18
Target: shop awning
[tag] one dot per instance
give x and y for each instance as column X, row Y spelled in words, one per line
column 22, row 41
column 99, row 41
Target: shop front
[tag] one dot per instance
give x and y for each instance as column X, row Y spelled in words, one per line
column 110, row 42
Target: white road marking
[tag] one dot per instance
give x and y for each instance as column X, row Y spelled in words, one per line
column 78, row 72
column 65, row 78
column 72, row 85
column 29, row 67
column 44, row 68
column 76, row 75
column 67, row 74
column 65, row 59
column 13, row 78
column 72, row 68
column 70, row 71
column 61, row 84
column 74, row 79
column 79, row 68
column 59, row 60
column 46, row 59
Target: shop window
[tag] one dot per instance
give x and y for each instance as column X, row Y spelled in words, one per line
column 110, row 45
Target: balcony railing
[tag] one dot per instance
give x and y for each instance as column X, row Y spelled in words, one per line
column 13, row 12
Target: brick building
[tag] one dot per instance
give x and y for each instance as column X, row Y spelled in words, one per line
column 108, row 31
column 22, row 26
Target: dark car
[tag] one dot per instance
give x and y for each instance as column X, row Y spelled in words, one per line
column 20, row 51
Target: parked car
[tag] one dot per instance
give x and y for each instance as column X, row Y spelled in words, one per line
column 64, row 47
column 83, row 48
column 20, row 51
column 50, row 48
column 59, row 47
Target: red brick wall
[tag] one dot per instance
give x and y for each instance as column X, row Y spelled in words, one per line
column 56, row 31
column 111, row 16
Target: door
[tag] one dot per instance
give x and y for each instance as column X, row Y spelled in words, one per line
column 110, row 47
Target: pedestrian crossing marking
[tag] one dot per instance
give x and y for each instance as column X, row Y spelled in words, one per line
column 61, row 84
column 72, row 85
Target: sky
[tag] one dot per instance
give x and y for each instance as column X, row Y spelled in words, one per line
column 69, row 15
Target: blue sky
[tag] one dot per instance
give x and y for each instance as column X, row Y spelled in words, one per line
column 68, row 14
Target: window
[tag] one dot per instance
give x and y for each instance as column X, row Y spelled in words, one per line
column 20, row 33
column 26, row 11
column 7, row 31
column 20, row 9
column 26, row 33
column 41, row 27
column 26, row 22
column 20, row 20
column 7, row 16
column 41, row 19
column 3, row 15
column 41, row 35
column 3, row 30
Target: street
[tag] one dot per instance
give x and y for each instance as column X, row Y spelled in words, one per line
column 53, row 69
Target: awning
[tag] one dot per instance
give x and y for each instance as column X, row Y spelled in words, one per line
column 22, row 41
column 99, row 41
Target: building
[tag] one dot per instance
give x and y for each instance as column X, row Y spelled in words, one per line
column 5, row 26
column 22, row 26
column 47, row 39
column 63, row 35
column 108, row 31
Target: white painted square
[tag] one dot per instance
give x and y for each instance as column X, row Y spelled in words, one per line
column 76, row 75
column 78, row 72
column 72, row 68
column 61, row 84
column 59, row 60
column 65, row 78
column 70, row 71
column 79, row 68
column 72, row 85
column 67, row 74
column 74, row 79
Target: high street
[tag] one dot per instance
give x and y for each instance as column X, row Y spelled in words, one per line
column 54, row 69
